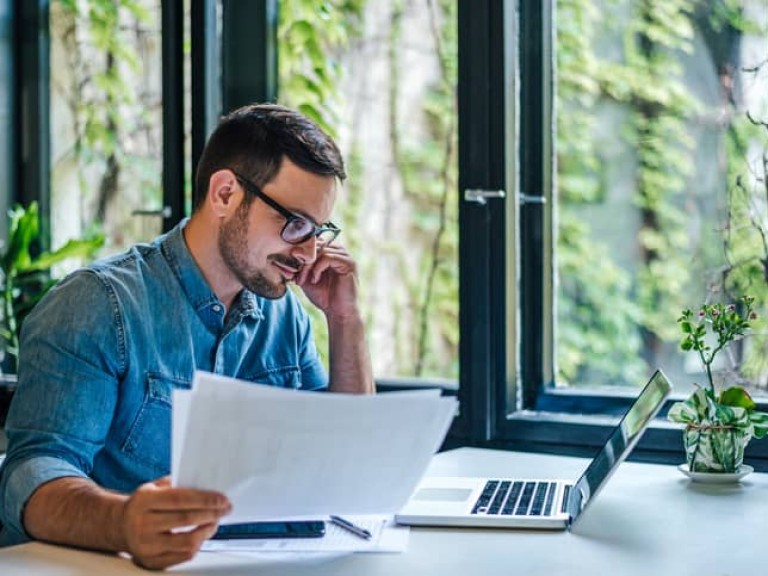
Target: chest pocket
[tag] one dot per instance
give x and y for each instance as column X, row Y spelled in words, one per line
column 149, row 439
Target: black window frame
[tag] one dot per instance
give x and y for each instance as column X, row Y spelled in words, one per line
column 506, row 393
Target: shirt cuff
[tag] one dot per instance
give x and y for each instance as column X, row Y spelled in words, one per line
column 20, row 481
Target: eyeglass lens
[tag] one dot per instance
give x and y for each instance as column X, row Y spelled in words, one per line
column 299, row 230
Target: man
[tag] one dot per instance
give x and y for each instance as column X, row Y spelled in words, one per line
column 89, row 427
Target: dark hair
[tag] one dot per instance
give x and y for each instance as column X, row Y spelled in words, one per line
column 254, row 139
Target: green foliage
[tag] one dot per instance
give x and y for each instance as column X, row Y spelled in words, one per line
column 426, row 310
column 310, row 34
column 309, row 76
column 428, row 170
column 726, row 323
column 597, row 336
column 645, row 82
column 108, row 100
column 716, row 434
column 718, row 426
column 745, row 233
column 26, row 276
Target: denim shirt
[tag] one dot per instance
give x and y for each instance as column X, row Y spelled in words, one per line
column 101, row 353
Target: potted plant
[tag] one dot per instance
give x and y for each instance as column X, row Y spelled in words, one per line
column 25, row 277
column 718, row 425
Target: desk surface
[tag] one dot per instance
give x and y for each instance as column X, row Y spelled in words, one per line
column 649, row 519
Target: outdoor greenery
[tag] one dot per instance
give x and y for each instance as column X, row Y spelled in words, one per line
column 311, row 75
column 26, row 274
column 111, row 147
column 640, row 232
column 613, row 317
column 718, row 424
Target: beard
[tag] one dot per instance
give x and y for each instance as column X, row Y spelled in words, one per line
column 233, row 247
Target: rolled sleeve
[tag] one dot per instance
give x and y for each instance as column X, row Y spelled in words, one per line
column 18, row 482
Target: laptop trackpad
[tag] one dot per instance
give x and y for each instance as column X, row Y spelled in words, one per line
column 443, row 494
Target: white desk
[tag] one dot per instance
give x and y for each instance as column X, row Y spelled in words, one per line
column 649, row 520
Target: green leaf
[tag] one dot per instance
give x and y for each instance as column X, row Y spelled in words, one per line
column 23, row 229
column 75, row 248
column 737, row 396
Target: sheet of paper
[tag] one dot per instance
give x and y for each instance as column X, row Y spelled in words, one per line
column 386, row 536
column 181, row 400
column 286, row 454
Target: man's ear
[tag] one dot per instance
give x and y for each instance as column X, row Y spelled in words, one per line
column 224, row 193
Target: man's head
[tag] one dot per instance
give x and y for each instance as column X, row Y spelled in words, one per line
column 254, row 139
column 268, row 179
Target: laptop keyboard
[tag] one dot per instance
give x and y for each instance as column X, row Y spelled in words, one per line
column 511, row 498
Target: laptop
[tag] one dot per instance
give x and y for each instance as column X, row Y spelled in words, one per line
column 532, row 503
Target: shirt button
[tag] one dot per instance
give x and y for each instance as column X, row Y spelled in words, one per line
column 216, row 308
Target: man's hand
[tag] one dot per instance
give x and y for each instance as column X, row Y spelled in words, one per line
column 77, row 512
column 330, row 282
column 163, row 526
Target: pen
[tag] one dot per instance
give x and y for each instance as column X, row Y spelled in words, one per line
column 347, row 525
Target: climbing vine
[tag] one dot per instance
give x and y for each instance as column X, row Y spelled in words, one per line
column 616, row 318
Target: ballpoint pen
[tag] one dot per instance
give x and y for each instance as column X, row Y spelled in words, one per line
column 347, row 525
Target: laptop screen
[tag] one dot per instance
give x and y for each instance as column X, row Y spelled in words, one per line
column 619, row 444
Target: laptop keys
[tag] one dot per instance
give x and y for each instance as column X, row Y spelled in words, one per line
column 539, row 499
column 514, row 494
column 515, row 498
column 498, row 500
column 481, row 506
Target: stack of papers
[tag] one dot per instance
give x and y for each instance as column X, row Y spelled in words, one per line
column 285, row 454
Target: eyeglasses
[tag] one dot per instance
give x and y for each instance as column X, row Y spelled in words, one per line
column 297, row 229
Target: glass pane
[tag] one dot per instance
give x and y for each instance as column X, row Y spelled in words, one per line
column 661, row 175
column 6, row 112
column 381, row 76
column 106, row 120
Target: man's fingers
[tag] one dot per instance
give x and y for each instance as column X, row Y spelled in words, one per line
column 160, row 550
column 338, row 261
column 186, row 499
column 167, row 521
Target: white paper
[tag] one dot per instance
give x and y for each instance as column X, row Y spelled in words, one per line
column 181, row 400
column 386, row 536
column 285, row 454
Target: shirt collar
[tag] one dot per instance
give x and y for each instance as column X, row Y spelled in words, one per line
column 193, row 283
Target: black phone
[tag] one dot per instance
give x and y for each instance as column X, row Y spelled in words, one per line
column 246, row 530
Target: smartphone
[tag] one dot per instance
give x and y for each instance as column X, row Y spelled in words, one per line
column 246, row 530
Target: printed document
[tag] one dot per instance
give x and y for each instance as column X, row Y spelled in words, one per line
column 288, row 454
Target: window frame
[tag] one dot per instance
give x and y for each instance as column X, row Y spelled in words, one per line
column 506, row 393
column 529, row 413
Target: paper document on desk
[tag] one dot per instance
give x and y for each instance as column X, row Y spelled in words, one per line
column 280, row 454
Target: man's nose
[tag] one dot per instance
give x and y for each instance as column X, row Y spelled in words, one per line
column 306, row 252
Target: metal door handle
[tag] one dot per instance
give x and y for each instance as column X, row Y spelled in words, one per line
column 481, row 196
column 164, row 212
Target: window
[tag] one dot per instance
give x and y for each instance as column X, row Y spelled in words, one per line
column 7, row 102
column 609, row 144
column 381, row 77
column 656, row 202
column 641, row 154
column 106, row 120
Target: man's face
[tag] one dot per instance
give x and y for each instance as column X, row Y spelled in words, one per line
column 250, row 243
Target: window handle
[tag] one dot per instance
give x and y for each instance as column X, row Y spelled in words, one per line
column 530, row 199
column 481, row 196
column 164, row 212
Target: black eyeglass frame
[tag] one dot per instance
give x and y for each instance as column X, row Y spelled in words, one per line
column 290, row 217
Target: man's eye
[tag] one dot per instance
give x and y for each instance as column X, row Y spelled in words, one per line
column 300, row 226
